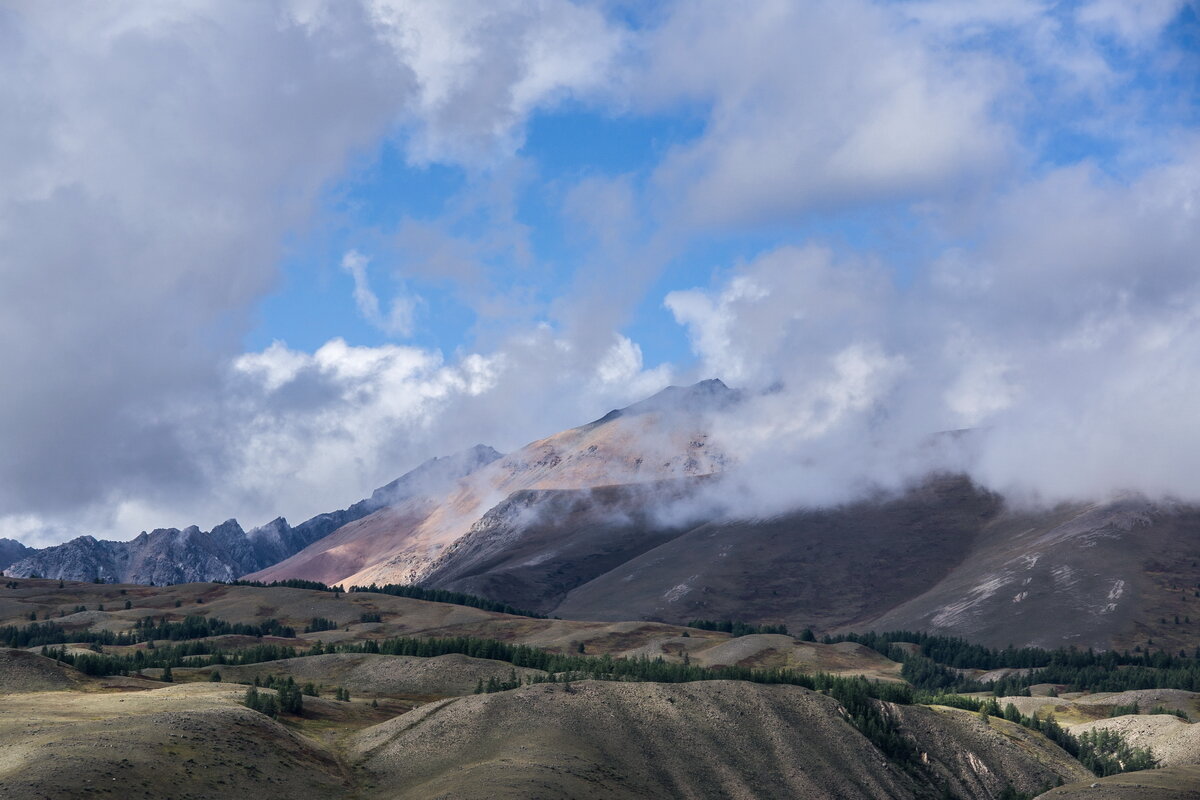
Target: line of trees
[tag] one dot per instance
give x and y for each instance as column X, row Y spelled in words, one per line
column 320, row 624
column 190, row 654
column 145, row 629
column 444, row 596
column 940, row 660
column 735, row 628
column 290, row 583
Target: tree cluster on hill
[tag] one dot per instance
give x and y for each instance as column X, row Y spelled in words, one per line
column 495, row 685
column 288, row 698
column 1106, row 752
column 735, row 628
column 320, row 624
column 261, row 702
column 198, row 627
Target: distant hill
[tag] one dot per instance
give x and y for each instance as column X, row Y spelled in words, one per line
column 712, row 739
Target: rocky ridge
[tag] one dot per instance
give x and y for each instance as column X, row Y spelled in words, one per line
column 227, row 552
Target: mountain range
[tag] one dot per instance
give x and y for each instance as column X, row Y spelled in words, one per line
column 170, row 555
column 615, row 520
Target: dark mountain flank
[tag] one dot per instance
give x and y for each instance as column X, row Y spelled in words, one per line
column 622, row 519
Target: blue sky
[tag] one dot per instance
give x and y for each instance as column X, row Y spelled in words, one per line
column 561, row 147
column 573, row 140
column 260, row 258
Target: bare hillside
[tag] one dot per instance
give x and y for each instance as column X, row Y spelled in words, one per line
column 29, row 672
column 711, row 739
column 192, row 741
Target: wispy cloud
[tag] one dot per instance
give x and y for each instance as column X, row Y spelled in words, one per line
column 399, row 319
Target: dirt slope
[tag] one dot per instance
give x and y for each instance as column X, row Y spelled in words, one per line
column 29, row 672
column 1171, row 783
column 183, row 742
column 974, row 759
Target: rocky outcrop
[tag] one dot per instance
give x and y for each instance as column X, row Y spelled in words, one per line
column 166, row 555
column 12, row 551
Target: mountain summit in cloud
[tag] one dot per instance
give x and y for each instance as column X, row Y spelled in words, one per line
column 642, row 515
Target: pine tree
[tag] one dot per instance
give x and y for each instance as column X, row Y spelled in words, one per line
column 291, row 701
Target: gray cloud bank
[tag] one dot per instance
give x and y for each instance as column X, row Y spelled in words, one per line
column 161, row 154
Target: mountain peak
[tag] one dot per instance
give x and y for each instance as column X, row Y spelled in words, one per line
column 706, row 395
column 433, row 475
